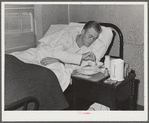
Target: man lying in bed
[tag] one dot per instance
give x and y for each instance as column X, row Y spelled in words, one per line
column 69, row 49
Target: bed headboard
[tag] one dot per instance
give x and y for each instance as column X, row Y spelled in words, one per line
column 115, row 31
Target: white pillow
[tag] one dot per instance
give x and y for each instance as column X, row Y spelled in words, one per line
column 105, row 36
column 55, row 28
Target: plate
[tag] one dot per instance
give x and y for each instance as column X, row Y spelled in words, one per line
column 97, row 64
column 88, row 70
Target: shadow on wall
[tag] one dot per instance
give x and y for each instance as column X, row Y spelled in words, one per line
column 136, row 90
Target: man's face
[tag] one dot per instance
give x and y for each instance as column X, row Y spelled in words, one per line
column 89, row 36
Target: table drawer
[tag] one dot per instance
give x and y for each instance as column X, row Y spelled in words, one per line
column 85, row 90
column 104, row 96
column 93, row 92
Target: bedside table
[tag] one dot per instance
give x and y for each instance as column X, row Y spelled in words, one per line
column 117, row 96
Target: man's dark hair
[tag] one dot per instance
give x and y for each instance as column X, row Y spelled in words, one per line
column 92, row 24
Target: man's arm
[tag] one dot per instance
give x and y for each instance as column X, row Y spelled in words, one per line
column 86, row 56
column 74, row 58
column 60, row 50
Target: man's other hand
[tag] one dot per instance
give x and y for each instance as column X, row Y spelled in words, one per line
column 48, row 60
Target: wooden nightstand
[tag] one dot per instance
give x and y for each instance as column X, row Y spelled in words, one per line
column 117, row 96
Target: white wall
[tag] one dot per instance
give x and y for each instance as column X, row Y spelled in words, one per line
column 45, row 15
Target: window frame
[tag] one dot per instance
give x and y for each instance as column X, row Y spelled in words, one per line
column 21, row 9
column 17, row 41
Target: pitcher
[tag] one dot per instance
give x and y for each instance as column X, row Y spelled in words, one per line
column 117, row 69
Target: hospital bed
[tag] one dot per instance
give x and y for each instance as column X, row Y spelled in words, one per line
column 37, row 88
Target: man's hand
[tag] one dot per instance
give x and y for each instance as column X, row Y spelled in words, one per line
column 48, row 60
column 88, row 56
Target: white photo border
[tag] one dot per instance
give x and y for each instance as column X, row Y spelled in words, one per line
column 78, row 115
